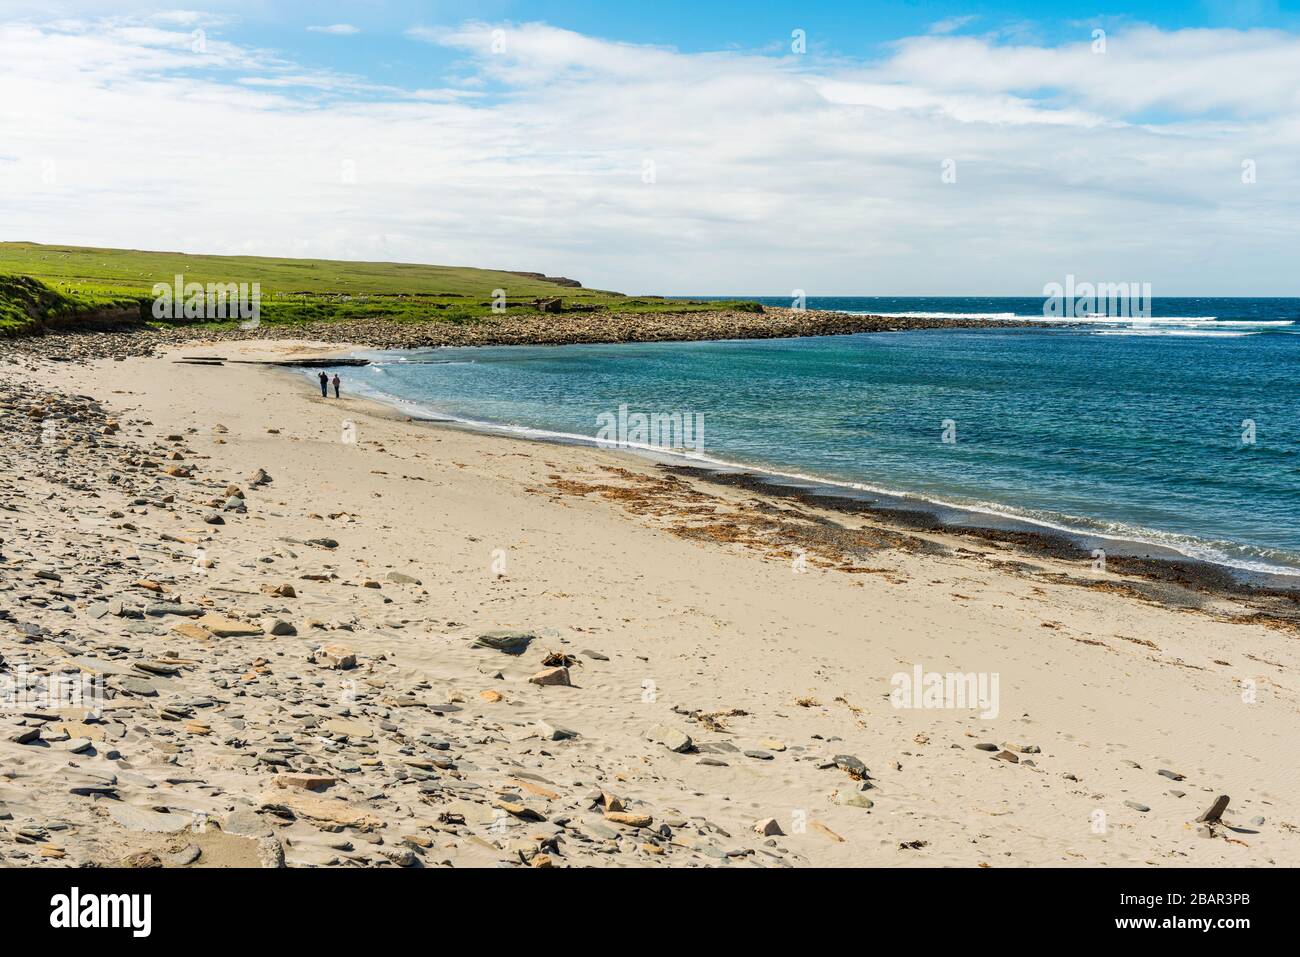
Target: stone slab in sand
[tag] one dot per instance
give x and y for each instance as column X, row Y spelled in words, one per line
column 222, row 627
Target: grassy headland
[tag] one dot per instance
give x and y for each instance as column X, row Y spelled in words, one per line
column 40, row 283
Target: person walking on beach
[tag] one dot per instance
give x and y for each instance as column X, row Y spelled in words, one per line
column 336, row 385
column 325, row 385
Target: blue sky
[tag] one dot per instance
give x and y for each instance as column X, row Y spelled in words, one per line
column 381, row 50
column 847, row 28
column 671, row 147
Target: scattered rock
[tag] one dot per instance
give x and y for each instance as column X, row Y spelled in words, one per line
column 551, row 676
column 555, row 732
column 1213, row 813
column 629, row 819
column 506, row 642
column 852, row 799
column 670, row 738
column 852, row 766
column 146, row 821
column 221, row 627
column 338, row 657
column 307, row 782
column 184, row 857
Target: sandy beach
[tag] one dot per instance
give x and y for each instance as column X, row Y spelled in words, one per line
column 693, row 674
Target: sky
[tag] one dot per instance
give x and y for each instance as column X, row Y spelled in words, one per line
column 895, row 148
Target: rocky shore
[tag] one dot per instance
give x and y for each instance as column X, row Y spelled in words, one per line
column 161, row 707
column 520, row 329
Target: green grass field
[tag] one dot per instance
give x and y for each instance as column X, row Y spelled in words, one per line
column 76, row 280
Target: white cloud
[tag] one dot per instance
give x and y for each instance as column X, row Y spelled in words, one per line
column 770, row 172
column 951, row 24
column 336, row 29
column 1191, row 72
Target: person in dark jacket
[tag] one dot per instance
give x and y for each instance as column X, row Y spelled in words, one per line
column 325, row 385
column 336, row 385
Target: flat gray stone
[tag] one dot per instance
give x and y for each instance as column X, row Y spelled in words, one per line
column 555, row 732
column 161, row 608
column 86, row 783
column 136, row 686
column 851, row 764
column 506, row 642
column 246, row 824
column 853, row 799
column 150, row 822
column 184, row 857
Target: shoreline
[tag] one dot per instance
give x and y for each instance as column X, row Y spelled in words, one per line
column 908, row 509
column 137, row 339
column 673, row 608
column 1175, row 580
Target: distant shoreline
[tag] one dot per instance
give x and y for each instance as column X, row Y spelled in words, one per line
column 523, row 329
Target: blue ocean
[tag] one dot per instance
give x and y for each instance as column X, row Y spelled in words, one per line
column 1180, row 432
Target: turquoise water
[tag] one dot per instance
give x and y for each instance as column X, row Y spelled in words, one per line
column 1114, row 429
